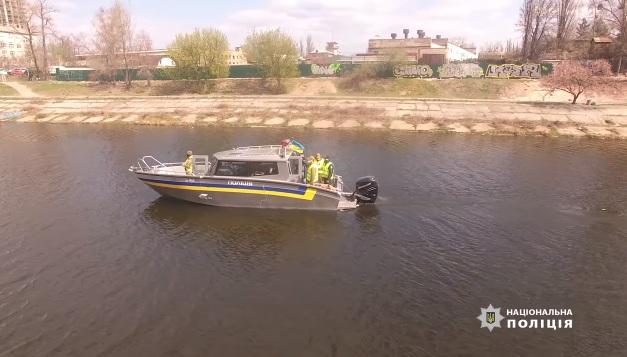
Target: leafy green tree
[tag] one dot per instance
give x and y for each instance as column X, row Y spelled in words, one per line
column 274, row 53
column 199, row 55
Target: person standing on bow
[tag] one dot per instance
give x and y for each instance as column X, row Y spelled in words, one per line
column 189, row 164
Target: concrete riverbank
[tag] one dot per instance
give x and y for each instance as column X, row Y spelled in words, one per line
column 461, row 116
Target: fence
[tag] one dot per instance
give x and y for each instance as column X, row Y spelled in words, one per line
column 409, row 70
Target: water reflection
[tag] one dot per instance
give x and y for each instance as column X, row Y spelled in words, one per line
column 178, row 218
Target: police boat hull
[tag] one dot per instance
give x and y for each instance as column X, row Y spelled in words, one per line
column 248, row 193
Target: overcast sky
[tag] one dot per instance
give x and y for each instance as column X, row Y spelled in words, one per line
column 349, row 22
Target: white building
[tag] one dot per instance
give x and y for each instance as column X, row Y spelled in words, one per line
column 456, row 53
column 12, row 45
column 12, row 41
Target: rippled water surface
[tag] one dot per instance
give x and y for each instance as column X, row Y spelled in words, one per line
column 93, row 263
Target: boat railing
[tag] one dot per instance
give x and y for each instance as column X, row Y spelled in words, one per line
column 339, row 183
column 149, row 164
column 263, row 150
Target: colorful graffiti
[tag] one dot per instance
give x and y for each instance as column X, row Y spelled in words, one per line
column 413, row 70
column 329, row 70
column 460, row 70
column 527, row 70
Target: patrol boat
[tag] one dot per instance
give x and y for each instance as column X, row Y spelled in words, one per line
column 270, row 176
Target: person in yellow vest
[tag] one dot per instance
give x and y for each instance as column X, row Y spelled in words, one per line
column 318, row 161
column 312, row 177
column 326, row 171
column 189, row 164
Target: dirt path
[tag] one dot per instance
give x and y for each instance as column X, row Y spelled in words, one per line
column 21, row 89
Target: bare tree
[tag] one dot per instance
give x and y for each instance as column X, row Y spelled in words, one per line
column 583, row 29
column 600, row 28
column 615, row 12
column 44, row 11
column 535, row 24
column 142, row 41
column 462, row 42
column 122, row 18
column 310, row 45
column 566, row 13
column 143, row 44
column 113, row 39
column 301, row 48
column 30, row 32
column 105, row 44
column 81, row 43
column 63, row 50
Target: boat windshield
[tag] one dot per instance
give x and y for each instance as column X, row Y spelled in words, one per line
column 246, row 168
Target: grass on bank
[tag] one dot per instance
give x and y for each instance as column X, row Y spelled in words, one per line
column 401, row 87
column 7, row 91
column 469, row 88
column 65, row 89
column 140, row 88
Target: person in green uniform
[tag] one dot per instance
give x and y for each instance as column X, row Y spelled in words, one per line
column 189, row 164
column 326, row 171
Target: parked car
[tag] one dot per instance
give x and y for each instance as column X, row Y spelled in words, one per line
column 18, row 72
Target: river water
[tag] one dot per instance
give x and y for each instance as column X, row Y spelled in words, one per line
column 93, row 263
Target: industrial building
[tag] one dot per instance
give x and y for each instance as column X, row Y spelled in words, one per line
column 420, row 49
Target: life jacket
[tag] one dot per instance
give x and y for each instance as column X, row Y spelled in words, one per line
column 312, row 173
column 189, row 165
column 326, row 169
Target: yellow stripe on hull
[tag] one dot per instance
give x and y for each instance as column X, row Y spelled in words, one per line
column 308, row 196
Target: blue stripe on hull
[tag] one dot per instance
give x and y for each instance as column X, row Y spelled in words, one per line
column 301, row 191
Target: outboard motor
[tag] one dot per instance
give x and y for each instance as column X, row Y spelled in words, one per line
column 366, row 190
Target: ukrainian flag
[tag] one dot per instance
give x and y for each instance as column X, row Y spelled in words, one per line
column 297, row 147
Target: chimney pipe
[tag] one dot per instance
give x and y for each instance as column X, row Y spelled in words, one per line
column 406, row 33
column 393, row 35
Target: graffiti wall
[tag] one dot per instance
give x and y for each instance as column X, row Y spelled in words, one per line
column 527, row 70
column 328, row 70
column 469, row 70
column 451, row 70
column 413, row 71
column 460, row 70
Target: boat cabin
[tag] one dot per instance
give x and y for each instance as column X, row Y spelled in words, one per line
column 272, row 162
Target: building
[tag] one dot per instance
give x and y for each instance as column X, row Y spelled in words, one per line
column 12, row 14
column 333, row 47
column 320, row 57
column 12, row 31
column 331, row 54
column 151, row 58
column 235, row 57
column 421, row 49
column 598, row 47
column 156, row 58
